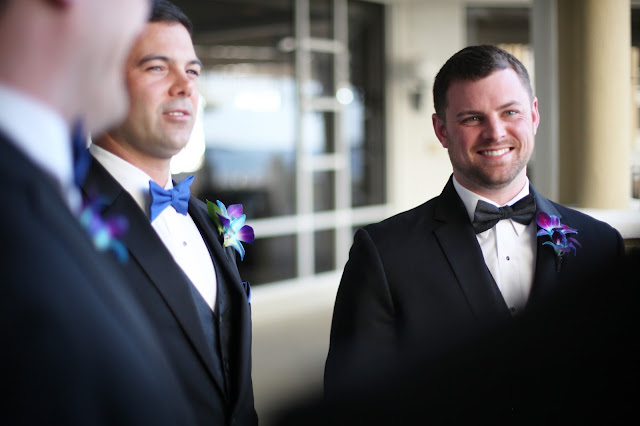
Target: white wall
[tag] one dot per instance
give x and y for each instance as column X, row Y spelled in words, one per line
column 422, row 35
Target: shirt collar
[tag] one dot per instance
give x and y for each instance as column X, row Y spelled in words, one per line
column 48, row 144
column 131, row 178
column 470, row 200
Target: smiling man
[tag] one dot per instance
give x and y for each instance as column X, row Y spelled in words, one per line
column 183, row 276
column 470, row 259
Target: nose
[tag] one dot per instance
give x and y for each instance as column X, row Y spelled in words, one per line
column 182, row 85
column 494, row 128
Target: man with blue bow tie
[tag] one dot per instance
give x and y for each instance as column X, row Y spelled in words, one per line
column 483, row 252
column 180, row 271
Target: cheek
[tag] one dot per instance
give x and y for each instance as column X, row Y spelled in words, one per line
column 461, row 141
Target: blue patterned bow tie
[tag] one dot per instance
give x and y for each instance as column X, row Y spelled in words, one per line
column 178, row 197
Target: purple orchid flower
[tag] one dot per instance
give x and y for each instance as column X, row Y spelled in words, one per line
column 560, row 235
column 230, row 223
column 104, row 232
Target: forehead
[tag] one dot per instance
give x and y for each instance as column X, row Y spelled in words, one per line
column 498, row 88
column 163, row 39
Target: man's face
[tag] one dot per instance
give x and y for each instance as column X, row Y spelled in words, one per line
column 161, row 76
column 489, row 131
column 106, row 31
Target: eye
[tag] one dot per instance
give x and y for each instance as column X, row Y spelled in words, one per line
column 511, row 113
column 195, row 73
column 474, row 119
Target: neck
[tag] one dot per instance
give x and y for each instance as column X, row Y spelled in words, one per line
column 499, row 195
column 157, row 168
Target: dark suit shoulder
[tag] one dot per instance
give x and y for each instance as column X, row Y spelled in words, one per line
column 590, row 229
column 570, row 215
column 198, row 203
column 408, row 221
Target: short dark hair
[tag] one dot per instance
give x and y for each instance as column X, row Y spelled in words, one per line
column 165, row 11
column 474, row 63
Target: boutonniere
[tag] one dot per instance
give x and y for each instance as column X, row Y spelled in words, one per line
column 560, row 235
column 230, row 223
column 104, row 232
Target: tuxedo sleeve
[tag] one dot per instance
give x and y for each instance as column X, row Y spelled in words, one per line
column 363, row 327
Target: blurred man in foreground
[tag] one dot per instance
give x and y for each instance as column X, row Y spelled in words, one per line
column 76, row 347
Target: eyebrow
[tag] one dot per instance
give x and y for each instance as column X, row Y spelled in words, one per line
column 150, row 58
column 473, row 112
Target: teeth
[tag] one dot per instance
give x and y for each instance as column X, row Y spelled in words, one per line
column 176, row 113
column 495, row 153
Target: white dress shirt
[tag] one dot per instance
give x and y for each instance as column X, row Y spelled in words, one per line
column 43, row 136
column 178, row 232
column 509, row 249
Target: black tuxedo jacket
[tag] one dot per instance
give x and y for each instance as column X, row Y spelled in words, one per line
column 419, row 278
column 77, row 348
column 166, row 294
column 571, row 359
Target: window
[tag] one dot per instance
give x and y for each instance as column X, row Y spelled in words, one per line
column 291, row 126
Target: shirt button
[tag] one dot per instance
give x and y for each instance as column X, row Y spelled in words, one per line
column 508, row 258
column 184, row 243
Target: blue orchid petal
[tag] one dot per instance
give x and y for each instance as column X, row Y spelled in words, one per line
column 574, row 241
column 223, row 209
column 568, row 230
column 120, row 250
column 101, row 239
column 233, row 242
column 237, row 224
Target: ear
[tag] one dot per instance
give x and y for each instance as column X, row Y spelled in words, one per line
column 535, row 115
column 440, row 129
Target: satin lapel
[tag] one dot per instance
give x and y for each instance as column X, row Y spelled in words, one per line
column 545, row 277
column 235, row 326
column 150, row 254
column 460, row 246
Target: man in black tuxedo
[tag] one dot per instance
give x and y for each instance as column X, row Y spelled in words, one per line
column 77, row 348
column 442, row 274
column 182, row 274
column 570, row 359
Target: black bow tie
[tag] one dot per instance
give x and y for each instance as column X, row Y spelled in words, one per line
column 487, row 215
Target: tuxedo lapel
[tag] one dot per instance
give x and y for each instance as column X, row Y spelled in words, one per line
column 459, row 244
column 545, row 276
column 149, row 253
column 235, row 329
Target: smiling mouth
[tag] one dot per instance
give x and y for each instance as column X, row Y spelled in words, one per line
column 495, row 152
column 177, row 113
